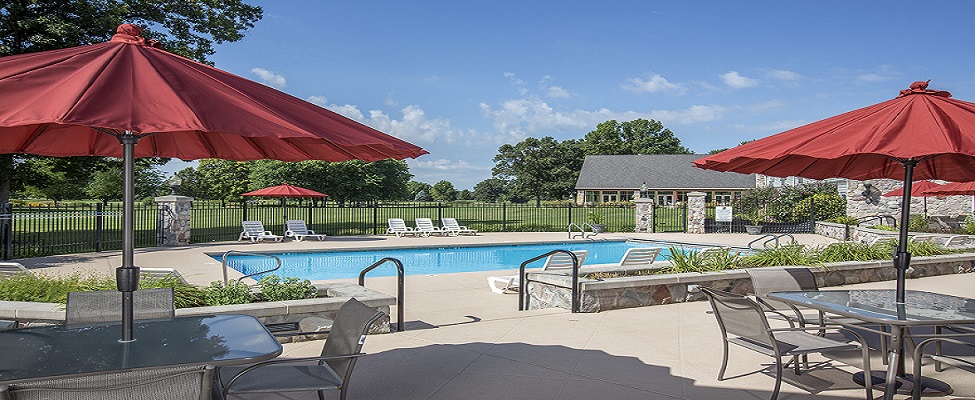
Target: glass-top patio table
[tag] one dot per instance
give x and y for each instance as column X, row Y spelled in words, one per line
column 879, row 306
column 90, row 349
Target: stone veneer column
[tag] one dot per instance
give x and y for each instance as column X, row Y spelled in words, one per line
column 644, row 214
column 174, row 219
column 695, row 212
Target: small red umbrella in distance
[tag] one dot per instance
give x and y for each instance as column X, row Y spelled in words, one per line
column 87, row 100
column 917, row 190
column 285, row 191
column 955, row 189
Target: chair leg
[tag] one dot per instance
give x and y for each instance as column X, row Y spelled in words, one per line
column 724, row 360
column 778, row 378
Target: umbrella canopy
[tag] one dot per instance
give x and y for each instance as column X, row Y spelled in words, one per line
column 920, row 134
column 84, row 101
column 954, row 188
column 285, row 190
column 918, row 189
column 76, row 101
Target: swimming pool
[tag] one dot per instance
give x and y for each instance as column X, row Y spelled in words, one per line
column 428, row 261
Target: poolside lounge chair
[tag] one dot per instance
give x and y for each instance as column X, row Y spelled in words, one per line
column 254, row 230
column 298, row 230
column 425, row 227
column 398, row 227
column 554, row 262
column 12, row 268
column 959, row 242
column 636, row 258
column 452, row 228
column 332, row 370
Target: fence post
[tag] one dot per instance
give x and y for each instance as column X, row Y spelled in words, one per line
column 244, row 202
column 569, row 205
column 504, row 217
column 643, row 214
column 375, row 218
column 439, row 211
column 99, row 226
column 695, row 212
column 7, row 230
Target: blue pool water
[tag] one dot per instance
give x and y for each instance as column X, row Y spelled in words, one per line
column 428, row 261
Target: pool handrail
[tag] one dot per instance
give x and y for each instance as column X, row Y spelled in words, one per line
column 582, row 230
column 244, row 253
column 772, row 237
column 523, row 279
column 400, row 275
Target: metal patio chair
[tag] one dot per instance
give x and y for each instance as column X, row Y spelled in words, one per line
column 961, row 360
column 332, row 371
column 184, row 382
column 743, row 322
column 106, row 305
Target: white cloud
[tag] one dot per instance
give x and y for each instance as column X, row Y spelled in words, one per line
column 446, row 165
column 558, row 92
column 736, row 81
column 656, row 83
column 514, row 80
column 269, row 78
column 519, row 118
column 414, row 126
column 783, row 75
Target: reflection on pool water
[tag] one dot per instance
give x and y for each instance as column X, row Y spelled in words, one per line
column 431, row 260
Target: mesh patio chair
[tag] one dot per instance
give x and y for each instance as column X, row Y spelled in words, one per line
column 189, row 382
column 742, row 322
column 766, row 280
column 106, row 305
column 332, row 371
column 964, row 360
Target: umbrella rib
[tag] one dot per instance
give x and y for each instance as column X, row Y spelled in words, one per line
column 32, row 137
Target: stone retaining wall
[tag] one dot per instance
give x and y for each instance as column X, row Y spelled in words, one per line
column 549, row 290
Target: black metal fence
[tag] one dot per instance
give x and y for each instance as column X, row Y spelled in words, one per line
column 216, row 221
column 42, row 230
column 670, row 218
column 772, row 218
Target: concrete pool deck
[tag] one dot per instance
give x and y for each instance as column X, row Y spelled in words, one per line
column 464, row 342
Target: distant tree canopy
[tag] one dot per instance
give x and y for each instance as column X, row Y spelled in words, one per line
column 639, row 136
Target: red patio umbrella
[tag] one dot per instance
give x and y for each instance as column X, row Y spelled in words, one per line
column 954, row 189
column 285, row 192
column 83, row 101
column 921, row 134
column 917, row 190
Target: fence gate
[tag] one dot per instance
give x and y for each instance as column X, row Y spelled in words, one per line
column 670, row 218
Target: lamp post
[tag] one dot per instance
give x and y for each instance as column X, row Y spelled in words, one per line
column 643, row 190
column 174, row 183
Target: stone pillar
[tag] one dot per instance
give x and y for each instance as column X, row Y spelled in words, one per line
column 696, row 208
column 174, row 219
column 644, row 214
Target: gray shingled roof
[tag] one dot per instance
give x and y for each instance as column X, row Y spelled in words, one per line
column 659, row 171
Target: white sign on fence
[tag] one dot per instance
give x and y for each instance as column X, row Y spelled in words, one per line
column 722, row 213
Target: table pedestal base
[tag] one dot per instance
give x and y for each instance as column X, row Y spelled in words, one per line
column 905, row 384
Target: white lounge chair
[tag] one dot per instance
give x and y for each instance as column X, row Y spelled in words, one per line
column 254, row 230
column 12, row 268
column 425, row 227
column 640, row 257
column 161, row 273
column 554, row 262
column 452, row 228
column 298, row 230
column 398, row 227
column 960, row 241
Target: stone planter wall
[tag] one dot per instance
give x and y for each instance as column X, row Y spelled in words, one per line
column 852, row 233
column 271, row 312
column 637, row 291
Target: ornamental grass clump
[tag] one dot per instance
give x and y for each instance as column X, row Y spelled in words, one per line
column 55, row 288
column 783, row 255
column 683, row 260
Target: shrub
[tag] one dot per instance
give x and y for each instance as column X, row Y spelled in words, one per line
column 54, row 289
column 274, row 288
column 844, row 220
column 828, row 206
column 234, row 292
column 683, row 260
column 783, row 255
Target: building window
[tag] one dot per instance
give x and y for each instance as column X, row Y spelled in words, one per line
column 611, row 196
column 722, row 197
column 592, row 196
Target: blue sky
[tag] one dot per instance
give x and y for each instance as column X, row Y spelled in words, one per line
column 461, row 78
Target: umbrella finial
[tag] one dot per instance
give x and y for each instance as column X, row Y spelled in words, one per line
column 132, row 34
column 922, row 87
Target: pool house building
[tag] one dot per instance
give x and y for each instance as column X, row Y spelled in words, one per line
column 667, row 179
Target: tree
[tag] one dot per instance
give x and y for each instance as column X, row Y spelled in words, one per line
column 393, row 176
column 540, row 168
column 187, row 28
column 223, row 179
column 443, row 191
column 465, row 194
column 639, row 136
column 491, row 190
column 415, row 187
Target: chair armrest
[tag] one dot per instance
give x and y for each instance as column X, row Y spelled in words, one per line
column 320, row 360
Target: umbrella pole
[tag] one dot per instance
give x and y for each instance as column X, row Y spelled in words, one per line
column 127, row 276
column 902, row 261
